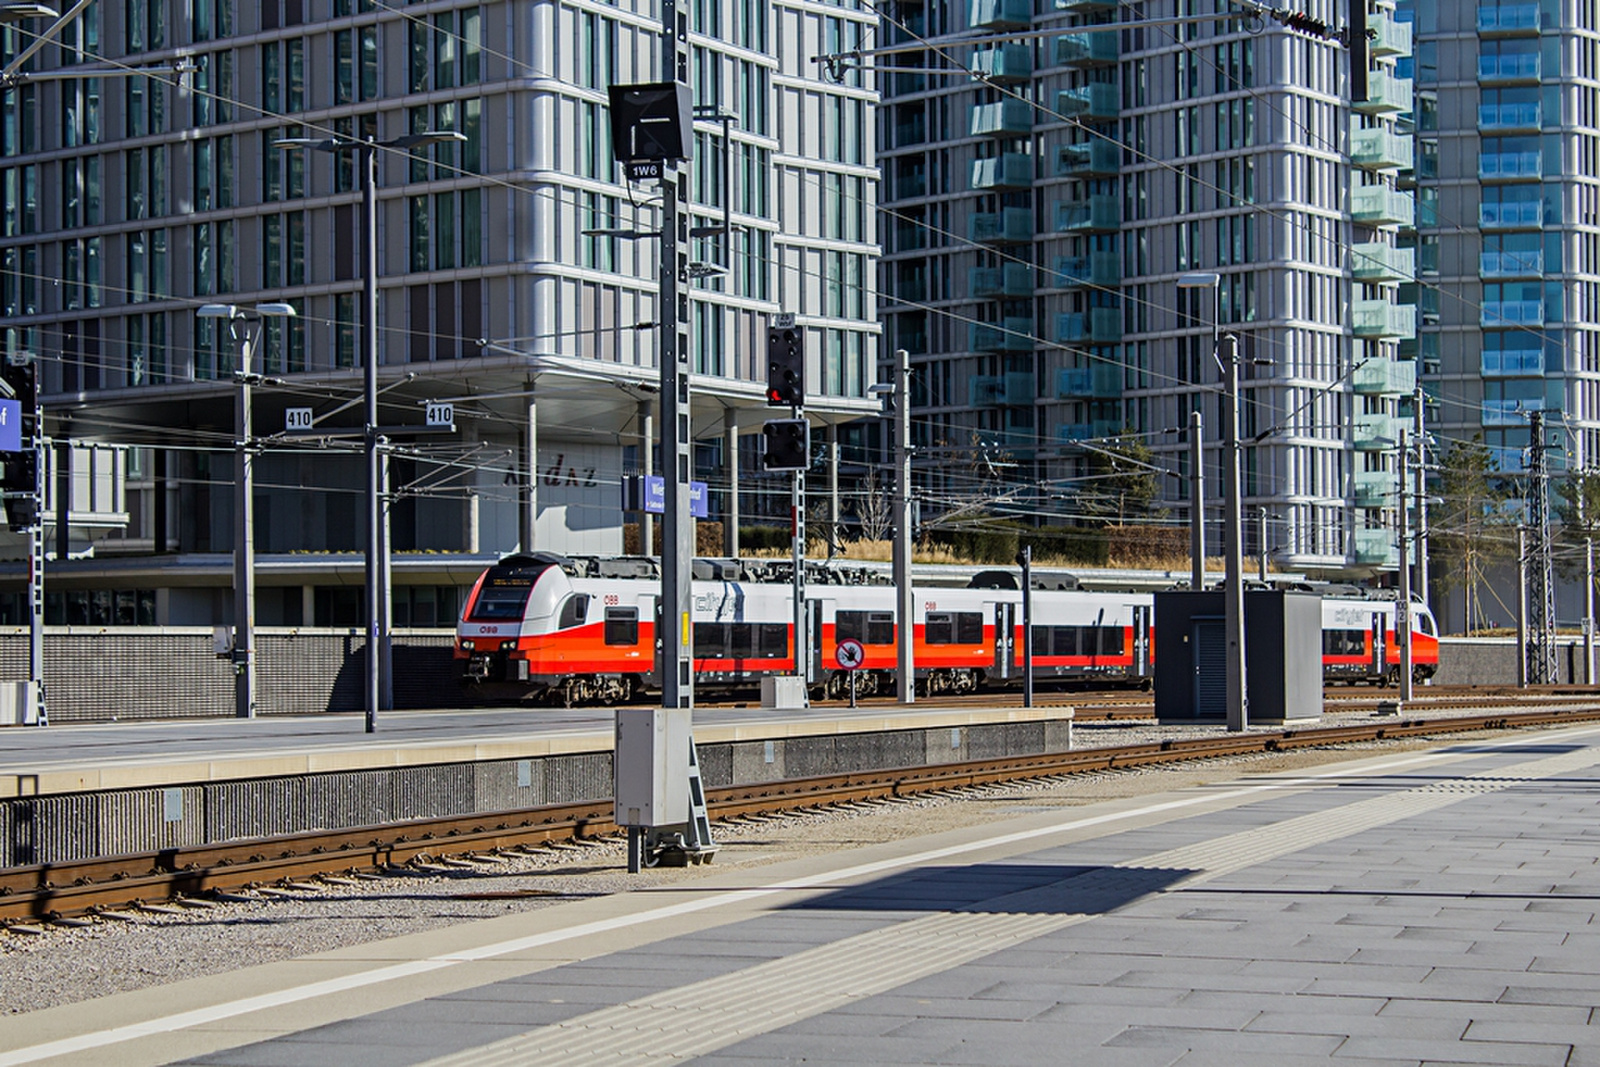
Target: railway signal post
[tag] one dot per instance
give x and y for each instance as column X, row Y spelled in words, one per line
column 788, row 447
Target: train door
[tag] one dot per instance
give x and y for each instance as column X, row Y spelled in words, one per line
column 1005, row 639
column 1380, row 646
column 1140, row 613
column 1209, row 641
column 814, row 641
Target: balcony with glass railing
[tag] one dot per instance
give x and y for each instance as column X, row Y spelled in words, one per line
column 1377, row 320
column 1003, row 63
column 1020, row 389
column 1511, row 313
column 1509, row 118
column 1525, row 264
column 1094, row 269
column 1096, row 102
column 1381, row 149
column 1011, row 225
column 1373, row 489
column 985, row 390
column 1386, row 93
column 1003, row 118
column 913, row 131
column 1510, row 166
column 1088, row 159
column 1000, row 14
column 1374, row 548
column 1012, row 334
column 1103, row 381
column 1376, row 432
column 1524, row 361
column 1096, row 48
column 1388, row 36
column 1508, row 20
column 1097, row 429
column 1384, row 377
column 1511, row 215
column 1378, row 205
column 1010, row 170
column 1095, row 326
column 1008, row 281
column 1375, row 262
column 1509, row 69
column 1099, row 213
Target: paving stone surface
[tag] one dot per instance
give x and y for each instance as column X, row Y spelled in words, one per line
column 1462, row 933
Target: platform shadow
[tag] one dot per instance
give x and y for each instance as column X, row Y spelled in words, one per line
column 1011, row 888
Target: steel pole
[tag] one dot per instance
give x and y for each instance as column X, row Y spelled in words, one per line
column 905, row 597
column 1025, row 560
column 1419, row 493
column 36, row 560
column 1522, row 607
column 369, row 369
column 1197, row 502
column 244, row 549
column 1238, row 694
column 1402, row 612
column 677, row 446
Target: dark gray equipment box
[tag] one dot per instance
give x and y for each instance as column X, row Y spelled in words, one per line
column 1282, row 647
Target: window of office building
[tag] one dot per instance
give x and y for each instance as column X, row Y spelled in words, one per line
column 144, row 179
column 147, row 349
column 212, row 88
column 147, row 265
column 355, row 65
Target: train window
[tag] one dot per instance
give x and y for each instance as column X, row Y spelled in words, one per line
column 741, row 640
column 1111, row 640
column 1344, row 642
column 502, row 598
column 574, row 611
column 622, row 626
column 710, row 640
column 868, row 627
column 1425, row 623
column 774, row 640
column 954, row 628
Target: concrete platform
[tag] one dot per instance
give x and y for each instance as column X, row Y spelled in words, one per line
column 46, row 761
column 1424, row 907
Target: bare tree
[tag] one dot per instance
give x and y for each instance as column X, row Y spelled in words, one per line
column 874, row 510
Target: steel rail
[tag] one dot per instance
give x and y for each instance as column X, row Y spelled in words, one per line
column 50, row 891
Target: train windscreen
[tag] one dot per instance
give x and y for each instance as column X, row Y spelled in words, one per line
column 504, row 593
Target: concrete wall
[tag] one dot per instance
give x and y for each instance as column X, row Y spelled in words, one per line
column 1493, row 661
column 55, row 829
column 95, row 674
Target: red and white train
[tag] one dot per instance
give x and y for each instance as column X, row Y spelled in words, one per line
column 583, row 631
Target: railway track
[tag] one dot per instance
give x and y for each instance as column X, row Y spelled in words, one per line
column 64, row 890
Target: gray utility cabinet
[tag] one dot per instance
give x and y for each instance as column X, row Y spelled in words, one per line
column 1282, row 646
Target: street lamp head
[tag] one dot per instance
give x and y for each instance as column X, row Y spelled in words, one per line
column 233, row 311
column 425, row 137
column 217, row 311
column 321, row 144
column 276, row 311
column 19, row 12
column 881, row 389
column 1204, row 279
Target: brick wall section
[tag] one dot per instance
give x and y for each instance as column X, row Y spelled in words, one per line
column 96, row 675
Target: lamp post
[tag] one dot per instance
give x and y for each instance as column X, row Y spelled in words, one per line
column 1225, row 349
column 244, row 553
column 377, row 561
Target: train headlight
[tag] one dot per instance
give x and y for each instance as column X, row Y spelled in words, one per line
column 507, row 646
column 467, row 645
